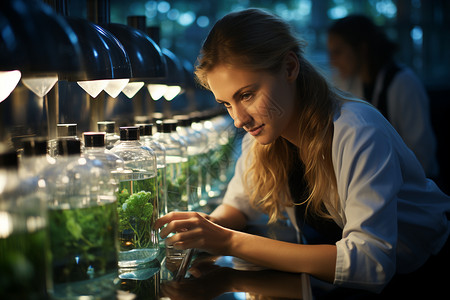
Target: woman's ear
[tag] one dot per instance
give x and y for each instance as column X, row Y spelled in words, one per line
column 292, row 66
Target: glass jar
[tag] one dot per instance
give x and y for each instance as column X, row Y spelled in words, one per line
column 146, row 133
column 82, row 208
column 109, row 127
column 176, row 168
column 25, row 271
column 94, row 148
column 66, row 131
column 137, row 200
column 195, row 146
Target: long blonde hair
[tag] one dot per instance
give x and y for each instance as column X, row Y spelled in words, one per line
column 259, row 41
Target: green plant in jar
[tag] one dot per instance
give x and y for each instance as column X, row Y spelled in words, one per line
column 136, row 214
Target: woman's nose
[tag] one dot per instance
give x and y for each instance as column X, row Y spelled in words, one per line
column 241, row 117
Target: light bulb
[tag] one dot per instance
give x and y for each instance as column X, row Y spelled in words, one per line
column 115, row 86
column 132, row 88
column 40, row 85
column 8, row 82
column 156, row 90
column 93, row 87
column 172, row 92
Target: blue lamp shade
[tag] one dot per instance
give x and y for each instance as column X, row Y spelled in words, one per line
column 35, row 40
column 103, row 54
column 175, row 75
column 146, row 58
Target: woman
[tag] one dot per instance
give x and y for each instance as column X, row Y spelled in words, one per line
column 357, row 194
column 364, row 58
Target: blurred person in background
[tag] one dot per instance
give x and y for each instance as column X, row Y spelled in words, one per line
column 363, row 56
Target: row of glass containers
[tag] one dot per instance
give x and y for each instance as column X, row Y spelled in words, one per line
column 93, row 195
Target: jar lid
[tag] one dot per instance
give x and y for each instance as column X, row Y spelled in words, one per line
column 145, row 129
column 162, row 126
column 67, row 129
column 35, row 146
column 172, row 123
column 106, row 126
column 183, row 120
column 130, row 133
column 68, row 146
column 9, row 159
column 94, row 139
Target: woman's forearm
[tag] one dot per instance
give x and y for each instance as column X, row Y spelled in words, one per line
column 317, row 260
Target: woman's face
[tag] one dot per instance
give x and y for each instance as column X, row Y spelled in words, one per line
column 260, row 102
column 343, row 56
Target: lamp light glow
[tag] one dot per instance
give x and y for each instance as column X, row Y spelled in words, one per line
column 156, row 90
column 172, row 92
column 40, row 85
column 115, row 86
column 93, row 87
column 132, row 88
column 8, row 82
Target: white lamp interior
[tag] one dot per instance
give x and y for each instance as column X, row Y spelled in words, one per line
column 132, row 88
column 8, row 82
column 156, row 90
column 115, row 86
column 93, row 87
column 40, row 85
column 172, row 92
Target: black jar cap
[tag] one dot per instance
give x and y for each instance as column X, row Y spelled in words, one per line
column 67, row 130
column 163, row 126
column 130, row 133
column 35, row 146
column 9, row 160
column 183, row 120
column 145, row 129
column 94, row 139
column 106, row 126
column 68, row 146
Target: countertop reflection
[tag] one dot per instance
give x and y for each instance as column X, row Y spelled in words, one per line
column 210, row 277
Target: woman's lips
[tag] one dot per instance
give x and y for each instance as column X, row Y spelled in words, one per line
column 256, row 130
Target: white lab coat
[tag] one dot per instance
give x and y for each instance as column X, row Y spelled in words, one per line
column 393, row 217
column 408, row 110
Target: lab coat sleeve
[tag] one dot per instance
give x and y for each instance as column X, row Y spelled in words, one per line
column 236, row 194
column 367, row 172
column 409, row 114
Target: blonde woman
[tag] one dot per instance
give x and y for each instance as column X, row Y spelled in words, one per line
column 356, row 194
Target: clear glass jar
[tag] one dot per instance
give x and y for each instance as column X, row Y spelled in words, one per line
column 176, row 168
column 34, row 156
column 25, row 271
column 94, row 148
column 109, row 127
column 83, row 224
column 195, row 146
column 66, row 131
column 137, row 200
column 146, row 133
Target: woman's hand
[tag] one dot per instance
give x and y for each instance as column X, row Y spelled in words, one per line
column 194, row 230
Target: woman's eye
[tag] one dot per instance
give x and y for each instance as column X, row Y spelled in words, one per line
column 246, row 96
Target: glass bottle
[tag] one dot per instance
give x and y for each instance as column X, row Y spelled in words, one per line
column 34, row 157
column 194, row 142
column 137, row 200
column 176, row 168
column 94, row 148
column 83, row 224
column 25, row 272
column 109, row 127
column 67, row 131
column 146, row 132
